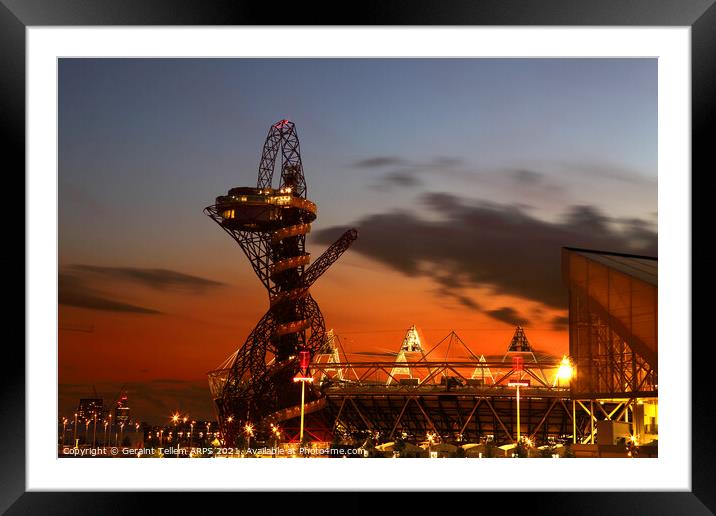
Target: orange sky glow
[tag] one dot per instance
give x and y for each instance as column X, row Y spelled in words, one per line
column 368, row 306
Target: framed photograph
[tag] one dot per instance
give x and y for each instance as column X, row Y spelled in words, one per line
column 428, row 236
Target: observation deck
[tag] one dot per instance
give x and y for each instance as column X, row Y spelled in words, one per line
column 261, row 209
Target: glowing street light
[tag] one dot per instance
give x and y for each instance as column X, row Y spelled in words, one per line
column 64, row 425
column 633, row 446
column 518, row 384
column 565, row 371
column 303, row 377
column 74, row 436
column 431, row 440
column 94, row 431
column 276, row 432
column 249, row 431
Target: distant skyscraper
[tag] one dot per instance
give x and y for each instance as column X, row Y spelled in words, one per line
column 88, row 407
column 121, row 410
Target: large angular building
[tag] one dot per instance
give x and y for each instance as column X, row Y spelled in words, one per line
column 613, row 337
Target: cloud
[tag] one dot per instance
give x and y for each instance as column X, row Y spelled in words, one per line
column 560, row 322
column 395, row 161
column 402, row 179
column 406, row 173
column 543, row 187
column 73, row 291
column 379, row 161
column 508, row 315
column 526, row 177
column 445, row 162
column 451, row 289
column 466, row 301
column 158, row 279
column 483, row 244
column 610, row 171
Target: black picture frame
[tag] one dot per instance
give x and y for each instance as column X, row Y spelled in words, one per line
column 17, row 15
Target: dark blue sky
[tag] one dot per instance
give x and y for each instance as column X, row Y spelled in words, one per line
column 148, row 138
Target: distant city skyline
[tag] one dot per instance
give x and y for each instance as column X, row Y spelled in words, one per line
column 464, row 177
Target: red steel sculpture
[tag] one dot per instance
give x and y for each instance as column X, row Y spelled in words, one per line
column 270, row 226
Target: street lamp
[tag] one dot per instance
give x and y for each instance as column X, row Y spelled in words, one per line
column 74, row 436
column 64, row 425
column 94, row 431
column 87, row 431
column 303, row 377
column 518, row 384
column 249, row 430
column 277, row 433
column 104, row 441
column 431, row 439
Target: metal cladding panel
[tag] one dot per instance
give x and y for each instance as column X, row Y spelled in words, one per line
column 613, row 320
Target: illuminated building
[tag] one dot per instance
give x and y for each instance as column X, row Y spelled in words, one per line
column 613, row 339
column 88, row 407
column 121, row 409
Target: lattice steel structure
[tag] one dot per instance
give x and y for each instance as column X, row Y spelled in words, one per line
column 457, row 401
column 613, row 324
column 270, row 226
column 613, row 336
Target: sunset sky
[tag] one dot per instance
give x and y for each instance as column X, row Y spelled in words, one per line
column 464, row 178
